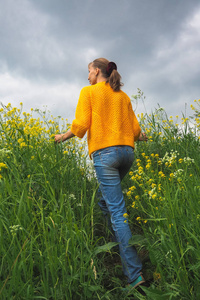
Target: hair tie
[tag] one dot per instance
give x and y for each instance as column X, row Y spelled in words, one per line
column 110, row 67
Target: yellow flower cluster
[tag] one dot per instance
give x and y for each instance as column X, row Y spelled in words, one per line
column 151, row 176
column 156, row 125
column 2, row 166
column 196, row 109
column 21, row 127
column 23, row 132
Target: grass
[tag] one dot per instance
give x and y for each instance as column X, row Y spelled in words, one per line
column 53, row 241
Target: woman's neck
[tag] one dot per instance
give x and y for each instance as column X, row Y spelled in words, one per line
column 100, row 78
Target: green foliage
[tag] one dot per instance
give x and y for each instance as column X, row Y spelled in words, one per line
column 53, row 244
column 163, row 200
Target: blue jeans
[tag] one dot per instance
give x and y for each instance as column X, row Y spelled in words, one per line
column 111, row 165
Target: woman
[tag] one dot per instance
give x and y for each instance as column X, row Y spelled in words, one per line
column 105, row 113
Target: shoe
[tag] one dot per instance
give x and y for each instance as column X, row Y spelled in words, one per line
column 140, row 280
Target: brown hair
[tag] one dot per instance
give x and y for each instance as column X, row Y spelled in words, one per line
column 114, row 79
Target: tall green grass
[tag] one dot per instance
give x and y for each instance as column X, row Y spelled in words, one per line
column 53, row 242
column 164, row 202
column 47, row 199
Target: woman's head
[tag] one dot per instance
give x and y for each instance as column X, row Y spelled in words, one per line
column 108, row 70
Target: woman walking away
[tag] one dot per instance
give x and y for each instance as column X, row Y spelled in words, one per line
column 105, row 112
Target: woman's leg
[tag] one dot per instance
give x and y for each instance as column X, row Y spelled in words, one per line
column 111, row 164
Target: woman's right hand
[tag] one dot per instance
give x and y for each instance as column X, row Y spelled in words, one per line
column 58, row 138
column 143, row 137
column 64, row 136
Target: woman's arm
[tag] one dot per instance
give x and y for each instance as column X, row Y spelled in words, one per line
column 142, row 137
column 64, row 136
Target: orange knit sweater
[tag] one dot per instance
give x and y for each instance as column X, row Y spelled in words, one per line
column 106, row 116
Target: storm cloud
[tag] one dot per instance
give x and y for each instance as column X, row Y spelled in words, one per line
column 46, row 47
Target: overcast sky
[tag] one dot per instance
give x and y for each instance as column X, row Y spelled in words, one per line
column 46, row 46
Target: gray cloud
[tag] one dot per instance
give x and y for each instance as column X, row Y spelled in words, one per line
column 47, row 45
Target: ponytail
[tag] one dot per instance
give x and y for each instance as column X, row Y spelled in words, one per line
column 109, row 71
column 115, row 81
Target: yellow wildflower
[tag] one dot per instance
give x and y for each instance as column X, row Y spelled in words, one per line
column 2, row 165
column 156, row 276
column 125, row 215
column 128, row 193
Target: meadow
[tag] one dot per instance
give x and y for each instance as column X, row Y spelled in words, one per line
column 54, row 243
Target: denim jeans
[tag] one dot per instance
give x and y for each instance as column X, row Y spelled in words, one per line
column 111, row 165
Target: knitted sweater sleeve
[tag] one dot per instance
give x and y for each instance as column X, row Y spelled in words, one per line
column 82, row 120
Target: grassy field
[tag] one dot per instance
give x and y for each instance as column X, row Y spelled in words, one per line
column 53, row 240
